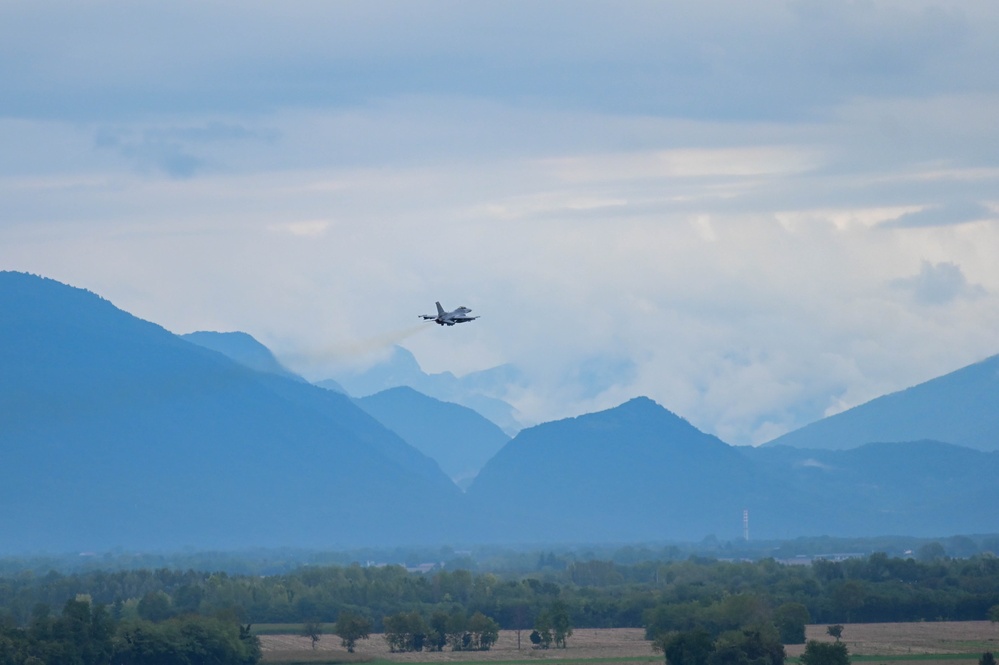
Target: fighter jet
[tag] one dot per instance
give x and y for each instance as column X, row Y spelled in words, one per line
column 443, row 318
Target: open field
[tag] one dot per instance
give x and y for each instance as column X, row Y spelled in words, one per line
column 619, row 644
column 884, row 642
column 902, row 639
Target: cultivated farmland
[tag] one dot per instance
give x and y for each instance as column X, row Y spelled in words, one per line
column 894, row 641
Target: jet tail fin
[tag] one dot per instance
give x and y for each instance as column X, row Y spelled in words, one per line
column 440, row 310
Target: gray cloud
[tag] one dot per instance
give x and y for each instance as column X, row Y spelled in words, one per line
column 686, row 201
column 948, row 214
column 174, row 149
column 717, row 59
column 939, row 284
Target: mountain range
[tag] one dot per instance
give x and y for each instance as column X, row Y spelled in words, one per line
column 482, row 391
column 635, row 472
column 639, row 472
column 244, row 349
column 116, row 432
column 961, row 407
column 458, row 438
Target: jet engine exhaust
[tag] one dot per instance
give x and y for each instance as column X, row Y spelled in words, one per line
column 348, row 350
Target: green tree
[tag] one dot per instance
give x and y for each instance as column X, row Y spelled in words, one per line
column 748, row 647
column 987, row 659
column 519, row 614
column 848, row 596
column 735, row 611
column 437, row 631
column 351, row 627
column 932, row 551
column 560, row 623
column 405, row 631
column 184, row 640
column 542, row 636
column 692, row 647
column 82, row 635
column 456, row 630
column 835, row 631
column 484, row 631
column 155, row 606
column 791, row 619
column 994, row 614
column 187, row 599
column 825, row 653
column 314, row 631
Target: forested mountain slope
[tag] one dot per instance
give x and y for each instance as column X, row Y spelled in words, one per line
column 961, row 407
column 481, row 391
column 242, row 348
column 921, row 488
column 117, row 432
column 460, row 439
column 635, row 472
column 639, row 472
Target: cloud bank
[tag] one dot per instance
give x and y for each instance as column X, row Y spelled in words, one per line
column 756, row 215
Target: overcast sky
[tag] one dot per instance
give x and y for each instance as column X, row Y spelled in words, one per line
column 756, row 213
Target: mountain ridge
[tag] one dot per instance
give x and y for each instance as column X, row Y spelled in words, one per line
column 117, row 432
column 481, row 391
column 459, row 438
column 959, row 407
column 546, row 463
column 243, row 348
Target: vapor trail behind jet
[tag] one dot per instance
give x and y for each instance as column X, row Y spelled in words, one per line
column 350, row 349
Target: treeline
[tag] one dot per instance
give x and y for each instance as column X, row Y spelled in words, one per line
column 659, row 596
column 497, row 558
column 86, row 634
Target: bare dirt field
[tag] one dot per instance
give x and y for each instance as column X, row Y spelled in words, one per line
column 900, row 639
column 584, row 644
column 627, row 645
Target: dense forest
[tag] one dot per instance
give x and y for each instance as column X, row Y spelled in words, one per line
column 657, row 595
column 86, row 634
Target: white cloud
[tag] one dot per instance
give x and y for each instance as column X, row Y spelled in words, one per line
column 815, row 464
column 942, row 215
column 735, row 216
column 686, row 163
column 314, row 227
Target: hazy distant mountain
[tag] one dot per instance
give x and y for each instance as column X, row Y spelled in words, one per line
column 117, row 432
column 635, row 472
column 478, row 390
column 460, row 439
column 919, row 488
column 242, row 348
column 961, row 408
column 639, row 472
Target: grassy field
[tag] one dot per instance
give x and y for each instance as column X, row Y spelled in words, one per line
column 943, row 643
